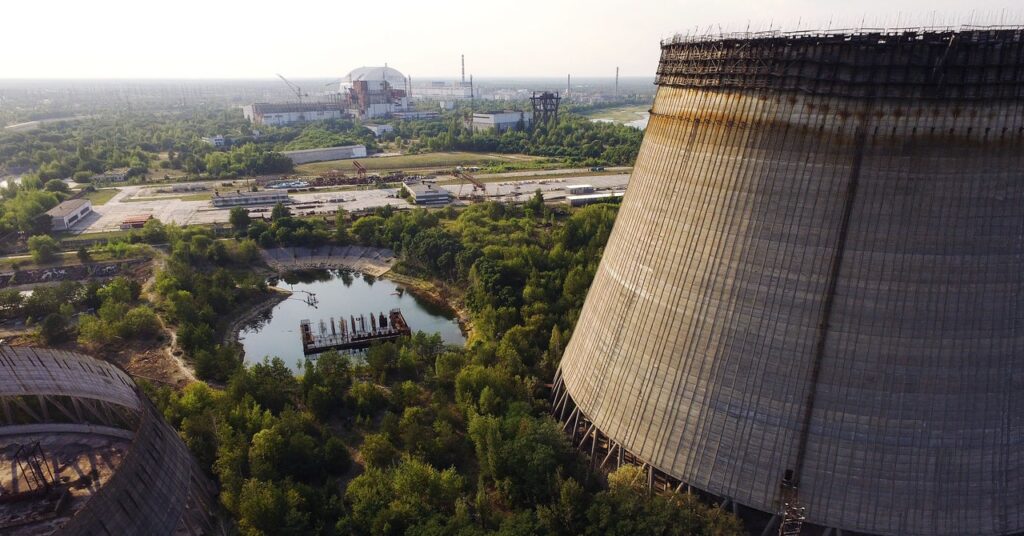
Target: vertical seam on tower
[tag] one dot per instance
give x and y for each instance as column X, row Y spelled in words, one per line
column 826, row 313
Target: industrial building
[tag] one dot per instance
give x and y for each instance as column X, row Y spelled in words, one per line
column 238, row 199
column 370, row 92
column 443, row 91
column 330, row 153
column 217, row 141
column 809, row 310
column 501, row 121
column 380, row 130
column 263, row 113
column 578, row 189
column 392, row 76
column 589, row 199
column 65, row 215
column 85, row 452
column 427, row 194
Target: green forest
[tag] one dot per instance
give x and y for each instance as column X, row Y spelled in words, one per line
column 422, row 438
column 450, row 440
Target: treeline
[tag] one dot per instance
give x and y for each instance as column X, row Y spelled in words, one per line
column 95, row 144
column 573, row 137
column 449, row 440
column 331, row 134
column 146, row 143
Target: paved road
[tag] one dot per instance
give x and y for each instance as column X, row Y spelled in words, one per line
column 108, row 217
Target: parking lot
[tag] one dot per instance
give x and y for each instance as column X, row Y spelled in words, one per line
column 139, row 200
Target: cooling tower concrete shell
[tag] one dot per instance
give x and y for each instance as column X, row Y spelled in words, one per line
column 84, row 452
column 818, row 269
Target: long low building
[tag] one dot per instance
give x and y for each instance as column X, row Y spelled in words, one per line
column 65, row 215
column 266, row 197
column 587, row 199
column 427, row 194
column 264, row 113
column 328, row 153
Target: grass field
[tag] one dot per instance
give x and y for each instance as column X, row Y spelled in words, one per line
column 621, row 114
column 538, row 176
column 101, row 196
column 418, row 161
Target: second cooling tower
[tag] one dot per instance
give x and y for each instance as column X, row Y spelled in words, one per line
column 817, row 278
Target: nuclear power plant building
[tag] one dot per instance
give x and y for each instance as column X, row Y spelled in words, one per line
column 811, row 307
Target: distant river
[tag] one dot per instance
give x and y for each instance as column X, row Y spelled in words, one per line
column 339, row 294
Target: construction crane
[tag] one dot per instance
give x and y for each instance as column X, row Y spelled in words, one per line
column 360, row 170
column 477, row 185
column 295, row 89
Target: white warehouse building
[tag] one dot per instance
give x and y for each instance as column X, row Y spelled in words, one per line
column 501, row 121
column 250, row 198
column 443, row 91
column 263, row 113
column 65, row 215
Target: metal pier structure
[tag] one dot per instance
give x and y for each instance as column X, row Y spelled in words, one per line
column 355, row 334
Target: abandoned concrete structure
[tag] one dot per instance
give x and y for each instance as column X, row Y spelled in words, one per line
column 83, row 452
column 810, row 305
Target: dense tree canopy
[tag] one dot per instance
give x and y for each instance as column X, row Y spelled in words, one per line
column 450, row 440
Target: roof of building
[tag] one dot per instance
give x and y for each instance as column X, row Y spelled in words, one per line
column 606, row 195
column 498, row 112
column 421, row 188
column 67, row 208
column 264, row 193
column 392, row 76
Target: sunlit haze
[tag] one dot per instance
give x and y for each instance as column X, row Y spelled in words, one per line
column 201, row 39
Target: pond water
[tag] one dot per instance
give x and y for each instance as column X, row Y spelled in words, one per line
column 337, row 294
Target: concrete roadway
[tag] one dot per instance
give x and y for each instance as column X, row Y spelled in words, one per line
column 108, row 217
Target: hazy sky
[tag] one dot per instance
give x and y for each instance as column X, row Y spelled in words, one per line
column 422, row 38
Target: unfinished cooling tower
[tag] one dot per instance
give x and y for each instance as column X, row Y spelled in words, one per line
column 84, row 452
column 814, row 290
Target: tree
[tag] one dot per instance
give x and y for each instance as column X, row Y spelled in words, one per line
column 626, row 509
column 56, row 185
column 54, row 328
column 522, row 454
column 382, row 359
column 378, row 451
column 270, row 382
column 267, row 508
column 154, row 232
column 535, row 205
column 279, row 212
column 43, row 248
column 83, row 255
column 239, row 217
column 325, row 381
column 341, row 235
column 10, row 303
